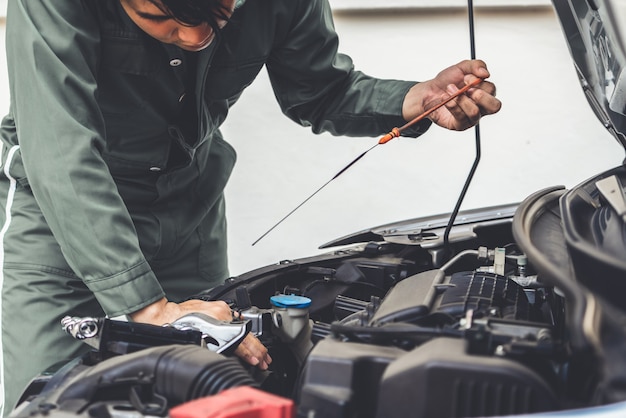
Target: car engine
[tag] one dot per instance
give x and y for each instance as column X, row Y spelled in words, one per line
column 384, row 329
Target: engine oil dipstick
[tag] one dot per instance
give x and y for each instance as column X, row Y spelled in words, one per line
column 394, row 133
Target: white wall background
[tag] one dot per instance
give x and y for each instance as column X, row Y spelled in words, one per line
column 390, row 4
column 377, row 4
column 544, row 135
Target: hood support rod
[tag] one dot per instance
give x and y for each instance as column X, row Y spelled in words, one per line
column 455, row 212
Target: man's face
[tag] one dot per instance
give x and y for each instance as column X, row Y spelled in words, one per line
column 162, row 27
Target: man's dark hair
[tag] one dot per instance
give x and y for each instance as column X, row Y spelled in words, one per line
column 194, row 12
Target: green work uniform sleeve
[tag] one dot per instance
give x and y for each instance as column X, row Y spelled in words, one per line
column 53, row 54
column 317, row 86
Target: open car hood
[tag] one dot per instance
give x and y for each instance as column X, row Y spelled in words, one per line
column 595, row 33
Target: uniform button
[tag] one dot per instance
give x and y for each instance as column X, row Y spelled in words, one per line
column 176, row 62
column 180, row 99
column 155, row 169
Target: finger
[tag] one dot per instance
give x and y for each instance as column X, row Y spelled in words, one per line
column 463, row 109
column 484, row 97
column 219, row 310
column 476, row 67
column 265, row 362
column 479, row 69
column 255, row 347
column 236, row 315
column 245, row 354
column 253, row 352
column 487, row 86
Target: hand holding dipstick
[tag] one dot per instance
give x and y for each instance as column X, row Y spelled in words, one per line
column 394, row 133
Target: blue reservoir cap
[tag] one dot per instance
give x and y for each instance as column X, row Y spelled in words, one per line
column 290, row 301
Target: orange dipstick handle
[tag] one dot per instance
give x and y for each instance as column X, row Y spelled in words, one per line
column 395, row 132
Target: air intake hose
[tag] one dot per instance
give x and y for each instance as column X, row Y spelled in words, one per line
column 179, row 373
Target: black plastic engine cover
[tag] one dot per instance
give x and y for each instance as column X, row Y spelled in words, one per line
column 341, row 379
column 431, row 292
column 439, row 379
column 436, row 379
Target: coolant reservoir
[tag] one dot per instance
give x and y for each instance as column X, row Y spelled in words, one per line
column 291, row 315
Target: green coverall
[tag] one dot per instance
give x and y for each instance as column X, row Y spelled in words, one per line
column 113, row 165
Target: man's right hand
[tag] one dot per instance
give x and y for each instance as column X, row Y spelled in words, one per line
column 164, row 312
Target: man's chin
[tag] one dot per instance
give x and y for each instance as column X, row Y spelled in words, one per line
column 198, row 47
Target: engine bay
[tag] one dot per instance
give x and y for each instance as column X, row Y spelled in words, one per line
column 380, row 329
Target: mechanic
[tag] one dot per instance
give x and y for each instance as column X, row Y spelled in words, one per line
column 114, row 165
